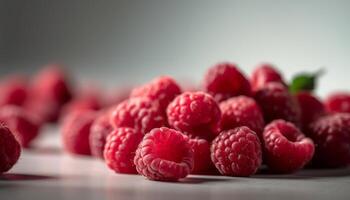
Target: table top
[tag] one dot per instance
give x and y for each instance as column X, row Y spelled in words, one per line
column 45, row 172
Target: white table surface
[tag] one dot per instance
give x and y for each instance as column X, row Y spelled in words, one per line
column 47, row 173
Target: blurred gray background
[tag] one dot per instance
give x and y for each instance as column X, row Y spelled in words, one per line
column 114, row 42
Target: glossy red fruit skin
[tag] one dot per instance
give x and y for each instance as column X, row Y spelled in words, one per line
column 201, row 156
column 276, row 102
column 164, row 155
column 13, row 91
column 162, row 89
column 241, row 111
column 120, row 150
column 224, row 80
column 237, row 152
column 331, row 134
column 311, row 108
column 100, row 129
column 10, row 149
column 140, row 113
column 22, row 124
column 286, row 148
column 263, row 74
column 338, row 102
column 75, row 130
column 196, row 114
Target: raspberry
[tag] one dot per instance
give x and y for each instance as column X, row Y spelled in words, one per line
column 45, row 111
column 162, row 89
column 224, row 80
column 263, row 74
column 141, row 113
column 120, row 150
column 236, row 152
column 99, row 131
column 21, row 123
column 76, row 132
column 13, row 91
column 331, row 135
column 277, row 103
column 195, row 114
column 80, row 104
column 10, row 149
column 164, row 155
column 241, row 111
column 286, row 148
column 201, row 156
column 338, row 102
column 311, row 108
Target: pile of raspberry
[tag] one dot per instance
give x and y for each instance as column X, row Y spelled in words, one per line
column 231, row 125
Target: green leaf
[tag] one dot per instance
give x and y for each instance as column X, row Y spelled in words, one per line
column 304, row 81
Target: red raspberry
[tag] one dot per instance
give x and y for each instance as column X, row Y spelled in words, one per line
column 13, row 91
column 241, row 111
column 286, row 148
column 331, row 135
column 162, row 89
column 80, row 104
column 237, row 152
column 76, row 132
column 277, row 103
column 338, row 102
column 120, row 150
column 224, row 80
column 21, row 123
column 99, row 131
column 164, row 155
column 311, row 108
column 141, row 113
column 10, row 149
column 195, row 113
column 45, row 111
column 201, row 156
column 263, row 74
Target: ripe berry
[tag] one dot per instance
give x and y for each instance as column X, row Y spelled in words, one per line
column 195, row 114
column 201, row 156
column 311, row 108
column 241, row 111
column 21, row 123
column 237, row 152
column 76, row 132
column 286, row 148
column 263, row 74
column 141, row 113
column 338, row 102
column 224, row 80
column 120, row 150
column 164, row 155
column 100, row 129
column 10, row 149
column 80, row 104
column 13, row 91
column 162, row 89
column 331, row 135
column 277, row 103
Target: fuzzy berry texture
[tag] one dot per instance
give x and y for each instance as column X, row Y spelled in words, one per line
column 13, row 91
column 338, row 102
column 311, row 108
column 263, row 74
column 10, row 149
column 140, row 113
column 224, row 80
column 100, row 129
column 21, row 123
column 201, row 156
column 277, row 103
column 196, row 114
column 286, row 148
column 76, row 132
column 237, row 152
column 164, row 155
column 120, row 150
column 331, row 135
column 162, row 89
column 241, row 111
